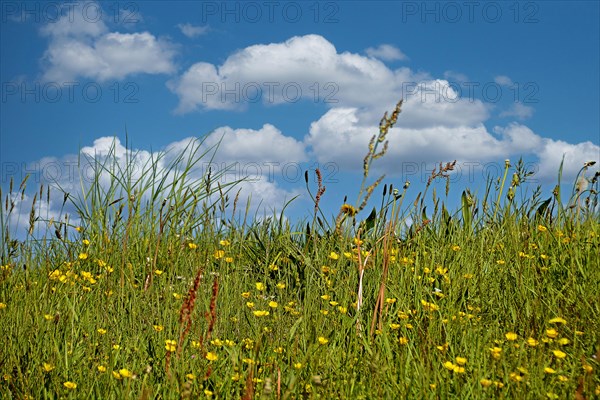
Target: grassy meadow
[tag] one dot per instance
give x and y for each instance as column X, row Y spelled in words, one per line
column 167, row 287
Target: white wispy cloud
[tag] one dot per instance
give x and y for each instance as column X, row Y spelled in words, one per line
column 518, row 110
column 192, row 31
column 386, row 52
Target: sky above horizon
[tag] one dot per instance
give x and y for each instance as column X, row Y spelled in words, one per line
column 290, row 86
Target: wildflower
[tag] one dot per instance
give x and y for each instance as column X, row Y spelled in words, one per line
column 485, row 382
column 511, row 336
column 83, row 256
column 403, row 340
column 532, row 342
column 558, row 320
column 559, row 354
column 429, row 306
column 47, row 367
column 192, row 246
column 101, row 331
column 176, row 296
column 500, row 262
column 70, row 385
column 79, row 229
column 542, row 228
column 260, row 286
column 461, row 360
column 158, row 272
column 326, row 297
column 210, row 356
column 549, row 370
column 333, row 255
column 219, row 254
column 101, row 368
column 260, row 313
column 273, row 304
column 158, row 328
column 48, row 317
column 298, row 365
column 116, row 347
column 496, row 352
column 390, row 300
column 208, row 393
column 217, row 342
column 394, row 326
column 551, row 333
column 563, row 378
column 563, row 341
column 449, row 365
column 348, row 209
column 116, row 375
column 342, row 309
column 191, row 377
column 195, row 344
column 170, row 345
column 125, row 373
column 323, row 340
column 281, row 285
column 229, row 260
column 551, row 395
column 456, row 248
column 224, row 243
column 516, row 377
column 588, row 368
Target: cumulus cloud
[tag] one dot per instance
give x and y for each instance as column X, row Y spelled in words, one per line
column 82, row 48
column 192, row 31
column 503, row 80
column 386, row 52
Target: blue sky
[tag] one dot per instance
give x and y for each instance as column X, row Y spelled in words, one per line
column 482, row 82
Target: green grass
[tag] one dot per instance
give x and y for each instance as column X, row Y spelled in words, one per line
column 160, row 257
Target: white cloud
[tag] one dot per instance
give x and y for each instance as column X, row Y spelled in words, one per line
column 80, row 48
column 192, row 31
column 518, row 110
column 503, row 80
column 455, row 77
column 386, row 52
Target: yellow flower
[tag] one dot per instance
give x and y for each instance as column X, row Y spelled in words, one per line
column 229, row 260
column 101, row 331
column 558, row 354
column 48, row 317
column 456, row 248
column 273, row 304
column 563, row 378
column 563, row 341
column 192, row 246
column 246, row 295
column 224, row 243
column 170, row 345
column 260, row 286
column 70, row 385
column 281, row 285
column 551, row 333
column 158, row 272
column 208, row 393
column 79, row 229
column 210, row 356
column 461, row 360
column 191, row 377
column 496, row 352
column 558, row 320
column 394, row 326
column 116, row 347
column 349, row 210
column 298, row 365
column 511, row 336
column 449, row 365
column 249, row 304
column 333, row 255
column 403, row 340
column 116, row 375
column 551, row 395
column 125, row 373
column 219, row 254
column 549, row 370
column 323, row 340
column 101, row 368
column 588, row 368
column 390, row 300
column 195, row 344
column 47, row 367
column 542, row 228
column 260, row 313
column 532, row 342
column 500, row 262
column 485, row 382
column 83, row 256
column 158, row 328
column 217, row 342
column 85, row 242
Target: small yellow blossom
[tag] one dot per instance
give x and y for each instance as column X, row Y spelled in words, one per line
column 83, row 256
column 158, row 328
column 281, row 285
column 496, row 352
column 260, row 286
column 208, row 393
column 101, row 368
column 125, row 373
column 170, row 345
column 298, row 365
column 558, row 320
column 485, row 382
column 456, row 248
column 563, row 341
column 323, row 340
column 532, row 342
column 191, row 377
column 224, row 243
column 403, row 340
column 260, row 313
column 192, row 246
column 273, row 304
column 549, row 370
column 158, row 272
column 210, row 356
column 559, row 354
column 563, row 378
column 461, row 360
column 70, row 385
column 116, row 347
column 333, row 255
column 101, row 331
column 47, row 367
column 229, row 260
column 219, row 254
column 542, row 228
column 588, row 368
column 116, row 375
column 551, row 333
column 511, row 336
column 449, row 365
